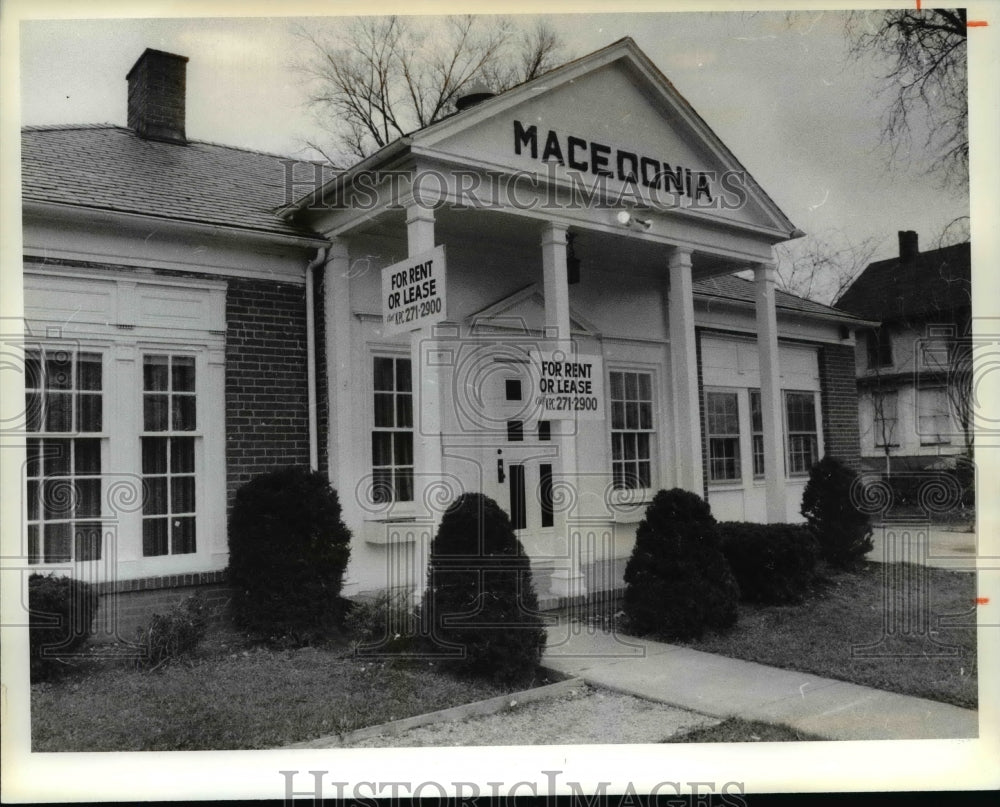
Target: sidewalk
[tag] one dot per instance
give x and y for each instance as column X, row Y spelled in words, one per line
column 724, row 687
column 938, row 546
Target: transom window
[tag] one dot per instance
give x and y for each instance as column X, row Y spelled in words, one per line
column 723, row 432
column 169, row 414
column 392, row 435
column 631, row 429
column 800, row 413
column 64, row 407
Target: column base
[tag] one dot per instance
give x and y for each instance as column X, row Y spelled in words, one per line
column 565, row 583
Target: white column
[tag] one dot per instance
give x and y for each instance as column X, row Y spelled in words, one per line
column 684, row 373
column 765, row 276
column 428, row 459
column 337, row 329
column 568, row 581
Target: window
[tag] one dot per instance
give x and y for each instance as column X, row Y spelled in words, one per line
column 800, row 413
column 933, row 417
column 879, row 345
column 884, row 418
column 512, row 389
column 545, row 430
column 168, row 455
column 757, row 433
column 723, row 432
column 392, row 435
column 515, row 431
column 631, row 430
column 64, row 405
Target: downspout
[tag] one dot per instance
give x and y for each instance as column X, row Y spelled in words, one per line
column 311, row 358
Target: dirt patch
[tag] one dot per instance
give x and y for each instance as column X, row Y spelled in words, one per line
column 583, row 716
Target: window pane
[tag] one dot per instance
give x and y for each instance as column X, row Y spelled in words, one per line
column 182, row 370
column 88, row 371
column 155, row 502
column 403, row 382
column 182, row 535
column 33, row 411
column 184, row 417
column 404, row 411
column 58, row 497
column 383, row 410
column 645, row 387
column 645, row 475
column 154, row 537
column 512, row 389
column 57, row 543
column 383, row 373
column 628, row 442
column 381, row 448
column 56, row 457
column 617, row 415
column 182, row 455
column 89, row 413
column 87, row 459
column 515, row 431
column 88, row 498
column 403, row 445
column 59, row 371
column 616, row 446
column 34, row 457
column 59, row 412
column 154, row 455
column 642, row 446
column 87, row 541
column 33, row 490
column 154, row 413
column 631, row 415
column 544, row 430
column 645, row 416
column 617, row 386
column 631, row 387
column 34, row 552
column 32, row 370
column 404, row 485
column 182, row 494
column 154, row 373
column 756, row 416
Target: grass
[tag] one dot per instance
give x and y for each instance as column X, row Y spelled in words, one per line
column 737, row 730
column 230, row 696
column 846, row 612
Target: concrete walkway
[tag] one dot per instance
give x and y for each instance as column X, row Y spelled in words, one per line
column 724, row 687
column 942, row 547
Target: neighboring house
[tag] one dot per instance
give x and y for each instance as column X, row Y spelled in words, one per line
column 198, row 314
column 913, row 380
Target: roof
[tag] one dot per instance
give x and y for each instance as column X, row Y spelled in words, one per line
column 938, row 281
column 738, row 289
column 109, row 167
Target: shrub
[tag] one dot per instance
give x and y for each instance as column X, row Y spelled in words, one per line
column 61, row 616
column 678, row 582
column 288, row 549
column 843, row 532
column 173, row 634
column 480, row 595
column 772, row 563
column 387, row 623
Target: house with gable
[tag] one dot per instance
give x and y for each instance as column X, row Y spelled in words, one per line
column 534, row 297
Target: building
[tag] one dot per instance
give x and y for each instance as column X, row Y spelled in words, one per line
column 198, row 314
column 914, row 388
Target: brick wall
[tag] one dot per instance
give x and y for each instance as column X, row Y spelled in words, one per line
column 839, row 390
column 267, row 414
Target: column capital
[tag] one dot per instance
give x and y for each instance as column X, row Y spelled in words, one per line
column 419, row 212
column 337, row 249
column 766, row 271
column 554, row 233
column 679, row 256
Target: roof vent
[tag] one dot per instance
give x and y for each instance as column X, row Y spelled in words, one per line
column 475, row 94
column 157, row 85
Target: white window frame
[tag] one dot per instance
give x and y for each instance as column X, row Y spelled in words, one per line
column 737, row 394
column 937, row 437
column 817, row 432
column 395, row 355
column 653, row 431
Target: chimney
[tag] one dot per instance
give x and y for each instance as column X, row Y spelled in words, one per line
column 908, row 250
column 156, row 95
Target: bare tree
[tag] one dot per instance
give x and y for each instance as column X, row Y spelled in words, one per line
column 379, row 78
column 820, row 267
column 927, row 80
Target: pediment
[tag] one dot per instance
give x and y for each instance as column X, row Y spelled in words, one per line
column 523, row 312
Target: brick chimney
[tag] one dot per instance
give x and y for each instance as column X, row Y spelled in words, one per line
column 908, row 249
column 157, row 86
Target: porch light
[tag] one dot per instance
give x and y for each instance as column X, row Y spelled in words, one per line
column 626, row 219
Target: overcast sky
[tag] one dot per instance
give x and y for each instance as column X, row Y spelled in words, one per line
column 783, row 97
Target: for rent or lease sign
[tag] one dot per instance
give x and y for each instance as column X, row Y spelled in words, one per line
column 570, row 386
column 413, row 292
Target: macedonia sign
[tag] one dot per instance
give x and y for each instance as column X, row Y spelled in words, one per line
column 413, row 292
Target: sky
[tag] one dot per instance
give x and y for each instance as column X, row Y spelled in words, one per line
column 780, row 92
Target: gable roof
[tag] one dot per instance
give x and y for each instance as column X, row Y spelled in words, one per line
column 741, row 290
column 109, row 167
column 623, row 50
column 937, row 281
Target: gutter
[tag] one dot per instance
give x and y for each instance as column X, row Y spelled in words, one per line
column 319, row 260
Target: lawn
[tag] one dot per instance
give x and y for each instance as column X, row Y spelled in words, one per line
column 230, row 696
column 846, row 612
